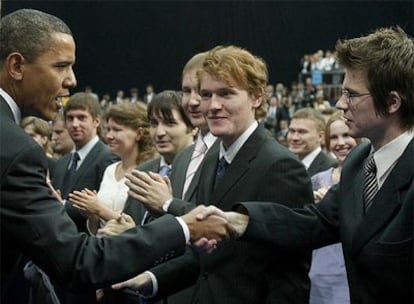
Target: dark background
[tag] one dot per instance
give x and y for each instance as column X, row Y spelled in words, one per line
column 121, row 44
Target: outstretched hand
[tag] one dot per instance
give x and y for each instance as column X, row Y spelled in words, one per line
column 142, row 283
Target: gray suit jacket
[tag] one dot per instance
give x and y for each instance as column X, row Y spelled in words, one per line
column 378, row 246
column 34, row 223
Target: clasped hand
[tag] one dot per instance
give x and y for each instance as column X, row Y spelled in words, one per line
column 209, row 226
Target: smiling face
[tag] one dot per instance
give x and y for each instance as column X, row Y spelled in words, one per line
column 191, row 100
column 229, row 110
column 122, row 140
column 304, row 136
column 340, row 142
column 170, row 137
column 44, row 81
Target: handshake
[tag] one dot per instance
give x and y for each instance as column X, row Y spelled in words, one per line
column 208, row 226
column 211, row 223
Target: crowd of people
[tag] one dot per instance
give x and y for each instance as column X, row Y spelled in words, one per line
column 308, row 200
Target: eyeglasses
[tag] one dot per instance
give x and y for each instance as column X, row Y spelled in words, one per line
column 348, row 95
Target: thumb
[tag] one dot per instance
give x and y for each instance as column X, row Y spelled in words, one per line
column 127, row 218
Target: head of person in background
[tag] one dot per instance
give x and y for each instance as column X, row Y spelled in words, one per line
column 82, row 118
column 378, row 95
column 61, row 141
column 306, row 132
column 232, row 88
column 339, row 143
column 337, row 138
column 39, row 130
column 191, row 100
column 170, row 127
column 128, row 134
column 41, row 67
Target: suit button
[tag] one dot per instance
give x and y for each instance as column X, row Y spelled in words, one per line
column 205, row 275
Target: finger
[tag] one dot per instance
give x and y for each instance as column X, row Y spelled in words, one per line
column 156, row 176
column 142, row 176
column 210, row 210
column 122, row 285
column 127, row 218
column 79, row 206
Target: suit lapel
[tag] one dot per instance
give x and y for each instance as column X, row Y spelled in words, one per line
column 387, row 201
column 194, row 183
column 240, row 164
column 5, row 109
column 86, row 163
column 180, row 167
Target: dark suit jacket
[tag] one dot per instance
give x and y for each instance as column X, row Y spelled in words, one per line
column 32, row 222
column 89, row 175
column 133, row 207
column 241, row 272
column 321, row 163
column 378, row 246
column 179, row 171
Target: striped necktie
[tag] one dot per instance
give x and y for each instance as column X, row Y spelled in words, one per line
column 370, row 181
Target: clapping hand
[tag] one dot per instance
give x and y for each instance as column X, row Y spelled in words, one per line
column 86, row 200
column 150, row 188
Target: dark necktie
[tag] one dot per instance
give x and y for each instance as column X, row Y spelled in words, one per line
column 221, row 170
column 70, row 175
column 163, row 171
column 370, row 181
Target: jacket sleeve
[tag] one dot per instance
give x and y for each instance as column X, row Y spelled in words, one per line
column 33, row 222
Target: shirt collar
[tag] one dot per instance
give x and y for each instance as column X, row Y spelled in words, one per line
column 308, row 159
column 17, row 114
column 83, row 152
column 387, row 155
column 232, row 151
column 209, row 140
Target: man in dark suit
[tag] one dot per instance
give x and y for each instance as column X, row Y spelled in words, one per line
column 305, row 137
column 36, row 58
column 258, row 167
column 171, row 131
column 82, row 118
column 369, row 211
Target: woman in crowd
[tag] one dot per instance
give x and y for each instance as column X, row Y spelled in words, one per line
column 328, row 275
column 128, row 137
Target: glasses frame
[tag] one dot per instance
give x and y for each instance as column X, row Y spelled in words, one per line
column 348, row 95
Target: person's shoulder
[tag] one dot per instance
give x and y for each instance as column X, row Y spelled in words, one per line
column 150, row 165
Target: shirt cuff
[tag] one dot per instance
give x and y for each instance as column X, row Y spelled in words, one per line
column 166, row 205
column 185, row 229
column 154, row 284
